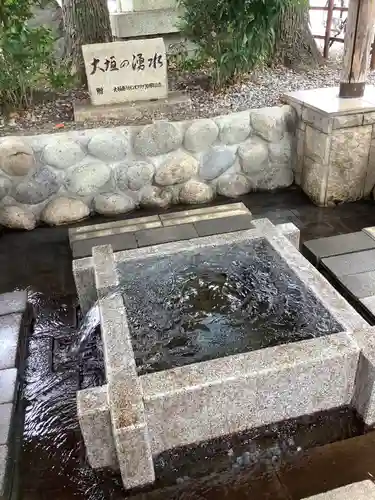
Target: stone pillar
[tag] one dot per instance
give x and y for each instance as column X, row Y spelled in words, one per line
column 335, row 145
column 129, row 427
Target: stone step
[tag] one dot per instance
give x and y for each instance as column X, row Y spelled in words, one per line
column 144, row 23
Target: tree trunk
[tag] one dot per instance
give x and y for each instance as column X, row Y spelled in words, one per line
column 85, row 22
column 295, row 45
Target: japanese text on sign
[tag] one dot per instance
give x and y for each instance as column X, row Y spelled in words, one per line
column 138, row 63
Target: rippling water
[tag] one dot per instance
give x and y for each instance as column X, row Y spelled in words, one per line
column 181, row 310
column 226, row 300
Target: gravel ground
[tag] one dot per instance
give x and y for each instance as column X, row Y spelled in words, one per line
column 262, row 88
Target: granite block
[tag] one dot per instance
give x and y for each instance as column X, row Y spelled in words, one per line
column 95, row 422
column 223, row 225
column 291, row 232
column 10, row 330
column 165, row 235
column 84, row 279
column 364, row 395
column 227, row 395
column 104, row 269
column 117, row 345
column 13, row 302
column 6, row 413
column 338, row 245
column 125, row 398
column 8, row 380
column 134, row 456
column 353, row 263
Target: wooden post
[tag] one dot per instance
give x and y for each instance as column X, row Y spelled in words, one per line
column 327, row 38
column 358, row 39
column 372, row 65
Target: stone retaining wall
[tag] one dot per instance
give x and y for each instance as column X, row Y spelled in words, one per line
column 64, row 177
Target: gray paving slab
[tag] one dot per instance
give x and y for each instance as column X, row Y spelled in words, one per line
column 369, row 303
column 83, row 248
column 352, row 263
column 338, row 245
column 6, row 413
column 13, row 302
column 10, row 327
column 360, row 285
column 165, row 235
column 8, row 380
column 223, row 225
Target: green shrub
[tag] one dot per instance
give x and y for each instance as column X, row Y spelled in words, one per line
column 26, row 54
column 234, row 35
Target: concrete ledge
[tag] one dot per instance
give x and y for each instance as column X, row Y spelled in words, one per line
column 364, row 490
column 140, row 111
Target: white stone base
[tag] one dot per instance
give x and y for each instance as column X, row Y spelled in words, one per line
column 335, row 145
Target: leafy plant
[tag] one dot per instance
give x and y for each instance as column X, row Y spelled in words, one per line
column 26, row 54
column 234, row 35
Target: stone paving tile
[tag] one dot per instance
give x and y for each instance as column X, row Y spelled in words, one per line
column 206, row 217
column 360, row 285
column 329, row 467
column 338, row 245
column 6, row 413
column 165, row 235
column 11, row 326
column 83, row 248
column 102, row 233
column 353, row 263
column 369, row 303
column 8, row 379
column 197, row 214
column 223, row 225
column 13, row 302
column 74, row 231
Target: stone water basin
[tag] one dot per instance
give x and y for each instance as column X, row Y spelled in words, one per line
column 210, row 337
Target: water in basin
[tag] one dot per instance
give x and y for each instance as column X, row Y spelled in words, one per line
column 199, row 305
